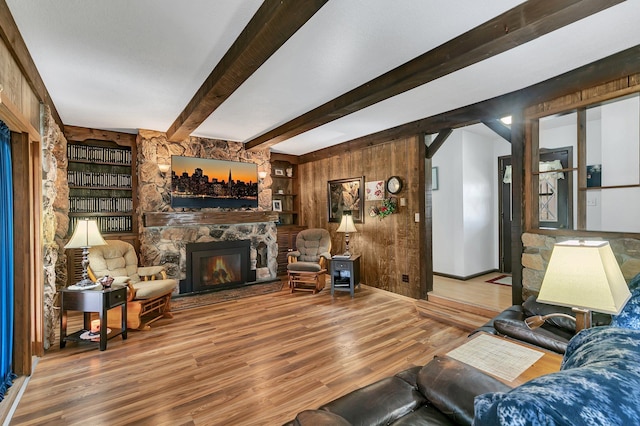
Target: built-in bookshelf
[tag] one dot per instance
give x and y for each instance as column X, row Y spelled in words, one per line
column 102, row 181
column 284, row 190
column 285, row 194
column 101, row 174
column 100, row 185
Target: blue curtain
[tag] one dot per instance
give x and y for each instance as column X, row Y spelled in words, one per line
column 6, row 261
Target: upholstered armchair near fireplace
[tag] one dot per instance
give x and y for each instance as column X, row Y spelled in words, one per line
column 149, row 290
column 307, row 267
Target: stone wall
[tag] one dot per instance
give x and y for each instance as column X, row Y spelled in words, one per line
column 55, row 219
column 537, row 251
column 167, row 245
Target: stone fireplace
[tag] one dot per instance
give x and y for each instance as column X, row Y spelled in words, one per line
column 169, row 238
column 165, row 232
column 217, row 265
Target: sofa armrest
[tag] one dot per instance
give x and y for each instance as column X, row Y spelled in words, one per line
column 512, row 312
column 451, row 386
column 318, row 418
column 539, row 337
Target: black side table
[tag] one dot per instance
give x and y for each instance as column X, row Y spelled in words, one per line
column 345, row 274
column 88, row 301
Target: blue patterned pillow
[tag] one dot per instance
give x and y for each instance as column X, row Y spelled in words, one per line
column 634, row 283
column 630, row 315
column 599, row 384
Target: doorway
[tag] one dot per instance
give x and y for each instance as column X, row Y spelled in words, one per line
column 555, row 189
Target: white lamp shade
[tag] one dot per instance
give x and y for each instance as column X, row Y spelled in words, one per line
column 262, row 174
column 346, row 224
column 86, row 234
column 584, row 274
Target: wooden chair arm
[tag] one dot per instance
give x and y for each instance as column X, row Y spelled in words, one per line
column 92, row 276
column 150, row 273
column 131, row 292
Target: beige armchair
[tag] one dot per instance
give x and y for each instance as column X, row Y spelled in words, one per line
column 307, row 266
column 149, row 293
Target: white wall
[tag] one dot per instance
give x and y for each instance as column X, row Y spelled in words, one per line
column 447, row 208
column 465, row 206
column 620, row 165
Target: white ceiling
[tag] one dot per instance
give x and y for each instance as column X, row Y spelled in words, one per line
column 127, row 65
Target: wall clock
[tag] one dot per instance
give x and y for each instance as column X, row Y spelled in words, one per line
column 394, row 185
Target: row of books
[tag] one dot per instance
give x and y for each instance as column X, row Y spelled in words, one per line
column 79, row 178
column 99, row 153
column 106, row 223
column 100, row 204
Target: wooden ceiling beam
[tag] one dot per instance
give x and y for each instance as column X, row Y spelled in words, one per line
column 438, row 142
column 271, row 26
column 496, row 125
column 515, row 27
column 618, row 65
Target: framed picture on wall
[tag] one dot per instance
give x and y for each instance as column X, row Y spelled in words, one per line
column 346, row 195
column 374, row 190
column 277, row 205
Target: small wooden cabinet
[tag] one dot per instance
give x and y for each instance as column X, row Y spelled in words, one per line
column 345, row 274
column 88, row 301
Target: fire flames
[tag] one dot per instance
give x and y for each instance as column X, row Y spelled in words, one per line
column 219, row 272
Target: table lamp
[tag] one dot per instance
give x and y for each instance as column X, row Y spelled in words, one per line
column 585, row 276
column 85, row 235
column 346, row 226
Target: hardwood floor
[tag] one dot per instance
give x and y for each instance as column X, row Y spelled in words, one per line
column 254, row 361
column 476, row 291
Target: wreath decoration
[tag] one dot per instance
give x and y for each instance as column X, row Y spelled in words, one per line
column 389, row 206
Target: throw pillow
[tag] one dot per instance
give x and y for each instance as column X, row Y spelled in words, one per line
column 630, row 315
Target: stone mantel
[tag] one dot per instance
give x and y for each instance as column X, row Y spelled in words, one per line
column 208, row 218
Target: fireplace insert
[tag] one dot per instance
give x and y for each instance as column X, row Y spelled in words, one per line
column 217, row 265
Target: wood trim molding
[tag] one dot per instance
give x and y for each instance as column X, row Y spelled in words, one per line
column 16, row 121
column 23, row 254
column 81, row 134
column 517, row 26
column 272, row 25
column 208, row 218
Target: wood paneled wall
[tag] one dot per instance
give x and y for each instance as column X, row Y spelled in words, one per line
column 390, row 248
column 16, row 88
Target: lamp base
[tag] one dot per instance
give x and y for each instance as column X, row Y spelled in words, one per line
column 583, row 318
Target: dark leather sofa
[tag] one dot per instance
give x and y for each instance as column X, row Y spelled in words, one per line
column 440, row 393
column 554, row 335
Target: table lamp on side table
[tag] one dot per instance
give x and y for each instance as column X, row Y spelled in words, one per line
column 346, row 226
column 585, row 276
column 85, row 235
